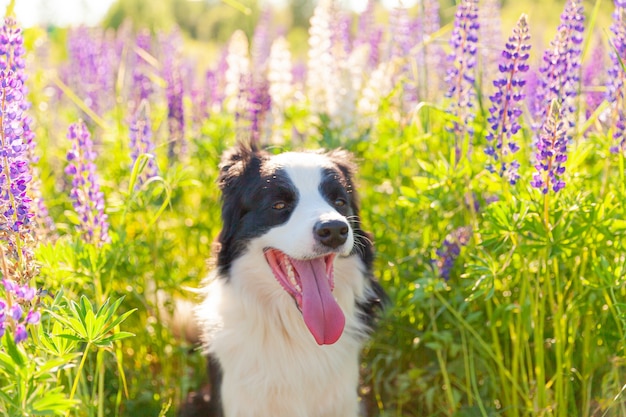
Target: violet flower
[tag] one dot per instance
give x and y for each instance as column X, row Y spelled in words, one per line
column 15, row 176
column 461, row 75
column 174, row 91
column 259, row 103
column 142, row 86
column 401, row 33
column 92, row 67
column 369, row 33
column 403, row 38
column 141, row 143
column 561, row 65
column 88, row 200
column 490, row 38
column 261, row 40
column 617, row 77
column 450, row 250
column 12, row 316
column 342, row 36
column 593, row 77
column 431, row 57
column 506, row 110
column 551, row 152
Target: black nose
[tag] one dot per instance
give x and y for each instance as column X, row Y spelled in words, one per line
column 331, row 233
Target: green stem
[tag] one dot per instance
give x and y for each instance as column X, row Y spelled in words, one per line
column 466, row 365
column 495, row 343
column 101, row 371
column 560, row 339
column 79, row 372
column 518, row 338
column 442, row 365
column 483, row 345
column 622, row 180
column 538, row 336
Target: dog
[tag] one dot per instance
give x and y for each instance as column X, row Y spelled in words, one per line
column 293, row 298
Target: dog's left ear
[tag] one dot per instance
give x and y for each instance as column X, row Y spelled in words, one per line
column 235, row 161
column 345, row 161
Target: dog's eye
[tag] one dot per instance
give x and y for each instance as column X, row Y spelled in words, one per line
column 279, row 205
column 340, row 202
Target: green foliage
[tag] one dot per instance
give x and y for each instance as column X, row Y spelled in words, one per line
column 531, row 322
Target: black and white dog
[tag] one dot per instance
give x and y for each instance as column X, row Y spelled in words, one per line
column 293, row 298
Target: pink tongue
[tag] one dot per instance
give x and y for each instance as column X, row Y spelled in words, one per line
column 321, row 313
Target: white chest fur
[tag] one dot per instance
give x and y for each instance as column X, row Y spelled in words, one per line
column 271, row 364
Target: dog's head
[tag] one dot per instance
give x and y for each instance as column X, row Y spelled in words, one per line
column 302, row 210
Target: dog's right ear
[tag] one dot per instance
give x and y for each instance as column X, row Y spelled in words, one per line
column 234, row 163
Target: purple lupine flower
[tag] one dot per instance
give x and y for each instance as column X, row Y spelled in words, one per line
column 92, row 66
column 141, row 87
column 17, row 297
column 401, row 34
column 342, row 35
column 261, row 40
column 617, row 77
column 33, row 317
column 88, row 200
column 259, row 103
column 451, row 249
column 141, row 143
column 172, row 74
column 16, row 312
column 531, row 92
column 561, row 64
column 431, row 56
column 461, row 75
column 593, row 76
column 369, row 33
column 551, row 152
column 403, row 38
column 490, row 38
column 11, row 59
column 505, row 110
column 15, row 176
column 20, row 333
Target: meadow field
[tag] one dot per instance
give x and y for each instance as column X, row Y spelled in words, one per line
column 492, row 177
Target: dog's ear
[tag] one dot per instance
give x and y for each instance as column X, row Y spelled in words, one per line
column 345, row 161
column 235, row 161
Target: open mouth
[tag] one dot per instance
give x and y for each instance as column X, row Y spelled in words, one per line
column 310, row 282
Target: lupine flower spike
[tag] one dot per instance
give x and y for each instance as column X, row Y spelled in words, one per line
column 451, row 249
column 88, row 200
column 617, row 77
column 551, row 152
column 561, row 65
column 17, row 266
column 141, row 143
column 461, row 75
column 505, row 110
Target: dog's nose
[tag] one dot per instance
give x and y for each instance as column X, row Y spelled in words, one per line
column 331, row 233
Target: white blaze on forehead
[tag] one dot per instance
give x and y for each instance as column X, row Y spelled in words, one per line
column 304, row 169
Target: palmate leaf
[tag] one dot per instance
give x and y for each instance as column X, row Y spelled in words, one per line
column 107, row 341
column 49, row 403
column 89, row 327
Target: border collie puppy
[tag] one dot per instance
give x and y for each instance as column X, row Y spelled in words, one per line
column 293, row 298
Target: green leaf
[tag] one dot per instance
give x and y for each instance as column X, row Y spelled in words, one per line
column 15, row 352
